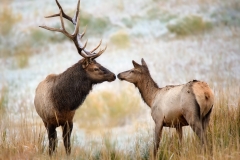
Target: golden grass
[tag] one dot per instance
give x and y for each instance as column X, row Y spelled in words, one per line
column 106, row 109
column 8, row 18
column 25, row 137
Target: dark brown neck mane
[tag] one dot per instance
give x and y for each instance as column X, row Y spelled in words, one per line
column 71, row 88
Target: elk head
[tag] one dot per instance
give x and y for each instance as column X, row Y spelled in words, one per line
column 96, row 72
column 136, row 74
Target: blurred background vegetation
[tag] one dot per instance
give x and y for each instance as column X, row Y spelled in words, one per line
column 179, row 40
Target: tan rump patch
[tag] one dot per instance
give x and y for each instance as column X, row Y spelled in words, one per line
column 50, row 77
column 204, row 96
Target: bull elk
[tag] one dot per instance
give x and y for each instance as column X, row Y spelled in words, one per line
column 175, row 105
column 58, row 96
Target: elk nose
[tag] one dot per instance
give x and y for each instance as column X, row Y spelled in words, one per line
column 113, row 77
column 119, row 76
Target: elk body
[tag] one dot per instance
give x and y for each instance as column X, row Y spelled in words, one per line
column 58, row 96
column 175, row 105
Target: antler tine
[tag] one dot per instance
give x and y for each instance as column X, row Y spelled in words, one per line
column 85, row 44
column 83, row 33
column 93, row 56
column 100, row 52
column 76, row 13
column 75, row 37
column 54, row 15
column 59, row 30
column 96, row 47
column 51, row 29
column 61, row 15
column 76, row 30
column 58, row 14
column 63, row 30
column 62, row 23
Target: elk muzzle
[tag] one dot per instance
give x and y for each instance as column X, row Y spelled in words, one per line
column 120, row 76
column 111, row 77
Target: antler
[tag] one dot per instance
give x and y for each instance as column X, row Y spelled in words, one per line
column 75, row 37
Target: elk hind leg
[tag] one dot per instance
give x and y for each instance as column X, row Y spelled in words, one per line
column 193, row 118
column 198, row 129
column 52, row 137
column 206, row 119
column 205, row 123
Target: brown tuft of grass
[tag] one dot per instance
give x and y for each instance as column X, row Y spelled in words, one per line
column 8, row 19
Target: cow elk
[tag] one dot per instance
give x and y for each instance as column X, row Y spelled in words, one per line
column 174, row 105
column 58, row 96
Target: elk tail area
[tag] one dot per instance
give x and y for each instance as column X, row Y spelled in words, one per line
column 204, row 98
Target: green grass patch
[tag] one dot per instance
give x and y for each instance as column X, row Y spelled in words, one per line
column 157, row 14
column 189, row 25
column 129, row 22
column 10, row 43
column 8, row 20
column 39, row 36
column 120, row 39
column 22, row 55
column 95, row 25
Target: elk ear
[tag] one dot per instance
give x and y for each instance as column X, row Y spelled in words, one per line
column 85, row 63
column 135, row 64
column 144, row 63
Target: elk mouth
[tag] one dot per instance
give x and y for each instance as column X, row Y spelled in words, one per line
column 111, row 78
column 120, row 77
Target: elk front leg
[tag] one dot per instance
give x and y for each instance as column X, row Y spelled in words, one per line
column 158, row 134
column 67, row 130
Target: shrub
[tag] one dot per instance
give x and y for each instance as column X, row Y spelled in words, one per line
column 22, row 54
column 8, row 20
column 191, row 24
column 95, row 25
column 16, row 48
column 157, row 14
column 129, row 22
column 40, row 36
column 120, row 39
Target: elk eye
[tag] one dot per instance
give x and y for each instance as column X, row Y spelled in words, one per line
column 95, row 69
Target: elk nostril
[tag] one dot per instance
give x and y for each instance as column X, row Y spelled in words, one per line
column 114, row 77
column 119, row 76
